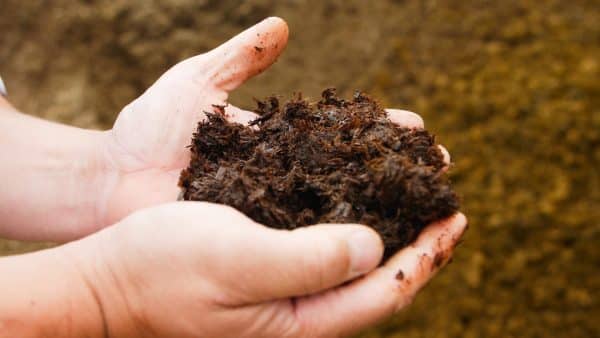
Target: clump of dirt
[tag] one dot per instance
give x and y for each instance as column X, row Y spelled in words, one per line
column 331, row 161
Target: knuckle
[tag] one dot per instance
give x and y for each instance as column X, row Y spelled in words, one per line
column 404, row 295
column 328, row 263
column 336, row 255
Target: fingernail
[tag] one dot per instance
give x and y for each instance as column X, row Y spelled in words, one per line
column 445, row 154
column 3, row 91
column 365, row 252
column 416, row 119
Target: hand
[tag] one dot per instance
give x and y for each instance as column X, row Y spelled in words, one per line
column 74, row 182
column 147, row 148
column 192, row 269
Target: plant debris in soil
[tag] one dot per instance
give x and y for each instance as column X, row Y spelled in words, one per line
column 333, row 161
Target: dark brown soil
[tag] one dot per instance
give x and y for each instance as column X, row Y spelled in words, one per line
column 511, row 88
column 334, row 161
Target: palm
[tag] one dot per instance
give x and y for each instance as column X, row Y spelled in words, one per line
column 146, row 149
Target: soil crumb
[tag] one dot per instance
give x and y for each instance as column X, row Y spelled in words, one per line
column 332, row 161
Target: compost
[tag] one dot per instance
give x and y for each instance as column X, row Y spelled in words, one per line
column 331, row 161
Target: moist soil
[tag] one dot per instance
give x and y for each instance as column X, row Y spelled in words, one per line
column 332, row 161
column 510, row 87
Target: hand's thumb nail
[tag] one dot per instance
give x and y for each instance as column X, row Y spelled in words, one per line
column 365, row 251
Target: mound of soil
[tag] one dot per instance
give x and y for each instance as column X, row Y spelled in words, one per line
column 334, row 161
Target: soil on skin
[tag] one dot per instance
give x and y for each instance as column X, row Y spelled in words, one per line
column 510, row 87
column 334, row 161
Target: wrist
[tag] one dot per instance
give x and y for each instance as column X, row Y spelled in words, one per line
column 53, row 179
column 44, row 295
column 97, row 261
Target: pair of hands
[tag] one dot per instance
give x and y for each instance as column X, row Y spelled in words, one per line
column 200, row 269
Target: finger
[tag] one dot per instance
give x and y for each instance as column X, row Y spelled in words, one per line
column 405, row 118
column 446, row 156
column 247, row 54
column 408, row 119
column 414, row 266
column 3, row 91
column 385, row 290
column 238, row 115
column 303, row 261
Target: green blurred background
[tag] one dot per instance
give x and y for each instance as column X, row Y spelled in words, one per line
column 510, row 87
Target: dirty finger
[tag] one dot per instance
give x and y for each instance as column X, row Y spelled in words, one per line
column 383, row 291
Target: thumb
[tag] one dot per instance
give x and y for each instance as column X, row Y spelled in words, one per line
column 247, row 54
column 212, row 75
column 282, row 263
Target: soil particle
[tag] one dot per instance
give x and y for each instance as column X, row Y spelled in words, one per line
column 333, row 161
column 511, row 86
column 438, row 260
column 400, row 275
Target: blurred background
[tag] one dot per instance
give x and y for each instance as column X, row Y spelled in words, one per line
column 510, row 87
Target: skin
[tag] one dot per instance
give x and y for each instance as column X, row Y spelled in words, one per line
column 186, row 269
